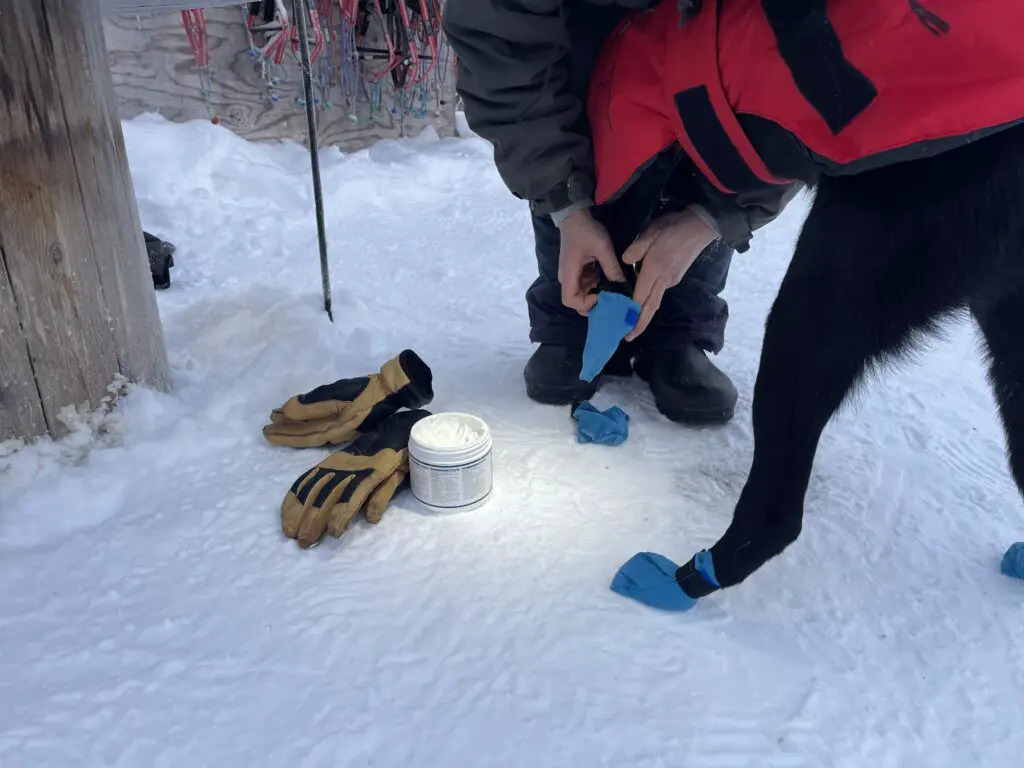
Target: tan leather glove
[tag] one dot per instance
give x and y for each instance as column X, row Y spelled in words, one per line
column 336, row 413
column 381, row 498
column 370, row 471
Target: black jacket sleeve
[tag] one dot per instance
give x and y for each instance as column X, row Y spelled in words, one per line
column 514, row 83
column 734, row 216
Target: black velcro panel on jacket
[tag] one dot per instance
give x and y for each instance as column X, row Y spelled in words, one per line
column 713, row 143
column 810, row 47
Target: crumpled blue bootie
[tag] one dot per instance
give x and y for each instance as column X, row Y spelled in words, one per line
column 1013, row 561
column 650, row 578
column 609, row 427
column 609, row 321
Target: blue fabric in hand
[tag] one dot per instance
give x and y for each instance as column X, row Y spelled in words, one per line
column 609, row 321
column 650, row 579
column 610, row 427
column 1013, row 561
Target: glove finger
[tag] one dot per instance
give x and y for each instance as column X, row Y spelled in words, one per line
column 379, row 500
column 277, row 417
column 319, row 506
column 297, row 411
column 310, row 434
column 328, row 399
column 291, row 515
column 352, row 501
column 294, row 503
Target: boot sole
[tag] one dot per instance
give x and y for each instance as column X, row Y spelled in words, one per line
column 576, row 392
column 559, row 395
column 703, row 418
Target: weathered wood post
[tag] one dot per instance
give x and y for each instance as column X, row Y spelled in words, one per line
column 77, row 304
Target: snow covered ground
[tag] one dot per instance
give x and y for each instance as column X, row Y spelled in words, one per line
column 152, row 613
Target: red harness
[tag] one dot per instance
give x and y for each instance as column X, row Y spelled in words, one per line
column 859, row 83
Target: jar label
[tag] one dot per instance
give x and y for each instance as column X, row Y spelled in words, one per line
column 451, row 487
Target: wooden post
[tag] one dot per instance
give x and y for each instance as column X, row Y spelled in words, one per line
column 77, row 304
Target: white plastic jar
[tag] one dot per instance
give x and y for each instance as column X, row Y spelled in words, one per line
column 450, row 467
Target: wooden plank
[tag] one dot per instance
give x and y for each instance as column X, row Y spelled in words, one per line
column 112, row 212
column 51, row 134
column 46, row 248
column 154, row 70
column 46, row 237
column 21, row 412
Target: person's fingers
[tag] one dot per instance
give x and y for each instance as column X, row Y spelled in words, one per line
column 645, row 280
column 574, row 296
column 649, row 307
column 571, row 265
column 573, row 299
column 598, row 248
column 565, row 268
column 583, row 258
column 581, row 299
column 639, row 247
column 602, row 250
column 645, row 283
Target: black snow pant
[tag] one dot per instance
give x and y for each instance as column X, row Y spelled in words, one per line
column 691, row 312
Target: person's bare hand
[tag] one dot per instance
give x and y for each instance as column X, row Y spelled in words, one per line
column 668, row 247
column 586, row 251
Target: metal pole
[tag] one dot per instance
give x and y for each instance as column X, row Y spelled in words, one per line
column 301, row 13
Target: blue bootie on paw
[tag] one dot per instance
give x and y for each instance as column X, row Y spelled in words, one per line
column 1013, row 561
column 650, row 578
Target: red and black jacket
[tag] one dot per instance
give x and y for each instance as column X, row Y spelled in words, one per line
column 764, row 93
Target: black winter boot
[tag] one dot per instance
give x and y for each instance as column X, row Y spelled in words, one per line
column 687, row 386
column 553, row 374
column 161, row 259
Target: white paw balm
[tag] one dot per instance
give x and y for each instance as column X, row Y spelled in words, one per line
column 450, row 466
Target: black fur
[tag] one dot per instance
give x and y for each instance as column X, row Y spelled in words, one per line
column 883, row 259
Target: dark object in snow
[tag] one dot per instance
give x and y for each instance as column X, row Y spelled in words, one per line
column 1013, row 561
column 609, row 321
column 161, row 259
column 609, row 427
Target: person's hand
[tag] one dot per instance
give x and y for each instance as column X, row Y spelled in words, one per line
column 585, row 247
column 668, row 247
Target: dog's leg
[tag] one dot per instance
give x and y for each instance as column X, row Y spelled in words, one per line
column 882, row 258
column 866, row 277
column 867, row 274
column 1002, row 323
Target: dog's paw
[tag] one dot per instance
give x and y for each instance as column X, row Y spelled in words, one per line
column 650, row 578
column 1013, row 561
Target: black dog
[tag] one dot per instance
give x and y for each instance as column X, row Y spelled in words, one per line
column 883, row 258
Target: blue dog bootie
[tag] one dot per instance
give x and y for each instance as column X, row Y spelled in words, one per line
column 609, row 427
column 1013, row 561
column 650, row 578
column 609, row 321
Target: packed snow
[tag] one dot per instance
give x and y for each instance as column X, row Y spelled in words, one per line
column 153, row 614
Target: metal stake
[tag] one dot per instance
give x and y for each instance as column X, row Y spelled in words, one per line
column 301, row 13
